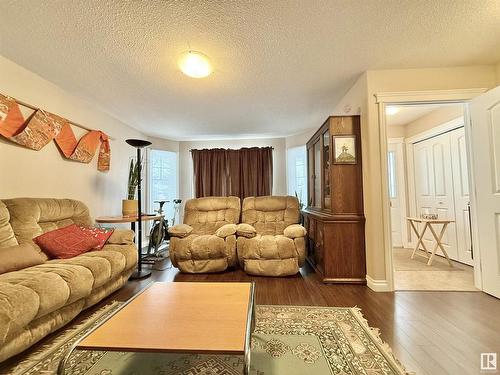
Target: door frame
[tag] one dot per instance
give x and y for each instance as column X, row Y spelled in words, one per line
column 402, row 187
column 383, row 99
column 410, row 154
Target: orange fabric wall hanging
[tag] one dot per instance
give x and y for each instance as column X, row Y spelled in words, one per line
column 41, row 127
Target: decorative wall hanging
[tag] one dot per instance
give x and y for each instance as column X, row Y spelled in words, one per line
column 41, row 127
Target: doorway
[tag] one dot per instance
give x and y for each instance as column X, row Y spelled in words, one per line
column 429, row 203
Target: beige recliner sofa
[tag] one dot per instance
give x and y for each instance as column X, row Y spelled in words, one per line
column 206, row 242
column 38, row 300
column 270, row 240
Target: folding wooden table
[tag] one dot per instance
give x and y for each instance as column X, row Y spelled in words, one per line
column 428, row 223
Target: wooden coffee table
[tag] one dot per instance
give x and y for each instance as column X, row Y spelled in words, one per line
column 178, row 317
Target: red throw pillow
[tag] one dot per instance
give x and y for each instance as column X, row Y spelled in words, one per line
column 100, row 234
column 67, row 242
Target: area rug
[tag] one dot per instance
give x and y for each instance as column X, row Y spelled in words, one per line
column 287, row 340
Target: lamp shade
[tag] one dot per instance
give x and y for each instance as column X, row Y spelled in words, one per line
column 138, row 143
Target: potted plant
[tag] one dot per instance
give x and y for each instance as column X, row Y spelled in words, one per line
column 129, row 205
column 301, row 206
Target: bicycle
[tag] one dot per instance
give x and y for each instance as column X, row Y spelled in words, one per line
column 159, row 229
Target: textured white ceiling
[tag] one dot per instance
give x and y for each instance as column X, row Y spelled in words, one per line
column 280, row 66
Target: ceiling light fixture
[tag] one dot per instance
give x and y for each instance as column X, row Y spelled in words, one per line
column 391, row 110
column 195, row 64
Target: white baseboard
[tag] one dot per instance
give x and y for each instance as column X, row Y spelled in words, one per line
column 378, row 285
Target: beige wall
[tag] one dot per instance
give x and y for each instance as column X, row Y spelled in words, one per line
column 45, row 173
column 398, row 131
column 164, row 144
column 435, row 118
column 362, row 94
column 186, row 162
column 498, row 73
column 430, row 120
column 300, row 139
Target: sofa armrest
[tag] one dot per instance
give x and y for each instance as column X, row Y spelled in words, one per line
column 245, row 230
column 295, row 231
column 180, row 230
column 226, row 230
column 121, row 237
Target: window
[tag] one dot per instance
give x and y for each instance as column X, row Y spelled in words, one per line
column 297, row 172
column 392, row 175
column 162, row 180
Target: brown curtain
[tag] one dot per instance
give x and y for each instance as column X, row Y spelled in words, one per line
column 210, row 167
column 242, row 173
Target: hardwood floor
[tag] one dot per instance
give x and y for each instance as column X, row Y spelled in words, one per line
column 430, row 332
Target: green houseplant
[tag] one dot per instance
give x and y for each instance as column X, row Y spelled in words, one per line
column 129, row 205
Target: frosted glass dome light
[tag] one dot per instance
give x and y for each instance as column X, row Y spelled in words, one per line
column 195, row 64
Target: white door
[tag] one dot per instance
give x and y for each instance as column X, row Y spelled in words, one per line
column 485, row 155
column 434, row 187
column 393, row 164
column 461, row 195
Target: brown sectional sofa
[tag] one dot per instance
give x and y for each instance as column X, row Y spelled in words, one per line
column 268, row 240
column 38, row 300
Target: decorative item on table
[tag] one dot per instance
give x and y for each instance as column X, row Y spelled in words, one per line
column 429, row 216
column 129, row 205
column 344, row 147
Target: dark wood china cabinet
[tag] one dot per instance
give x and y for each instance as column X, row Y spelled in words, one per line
column 334, row 216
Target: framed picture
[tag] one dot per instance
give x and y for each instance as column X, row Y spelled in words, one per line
column 344, row 149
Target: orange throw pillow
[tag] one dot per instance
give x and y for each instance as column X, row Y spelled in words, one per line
column 67, row 242
column 100, row 234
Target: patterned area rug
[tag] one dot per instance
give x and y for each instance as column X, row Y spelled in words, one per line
column 287, row 340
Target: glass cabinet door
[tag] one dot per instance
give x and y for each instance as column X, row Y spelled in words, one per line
column 310, row 173
column 327, row 202
column 317, row 174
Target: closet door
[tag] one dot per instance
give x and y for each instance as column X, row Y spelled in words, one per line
column 434, row 187
column 461, row 195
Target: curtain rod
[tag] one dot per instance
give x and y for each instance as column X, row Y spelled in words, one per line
column 224, row 149
column 24, row 104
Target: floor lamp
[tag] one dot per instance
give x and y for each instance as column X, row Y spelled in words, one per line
column 139, row 144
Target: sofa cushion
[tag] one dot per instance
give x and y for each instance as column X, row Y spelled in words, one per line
column 208, row 214
column 7, row 237
column 122, row 237
column 17, row 257
column 66, row 242
column 99, row 267
column 115, row 259
column 266, row 247
column 245, row 230
column 270, row 215
column 180, row 230
column 129, row 253
column 30, row 217
column 226, row 230
column 200, row 247
column 55, row 284
column 295, row 231
column 271, row 267
column 18, row 307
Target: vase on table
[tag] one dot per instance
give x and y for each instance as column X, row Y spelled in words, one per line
column 129, row 207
